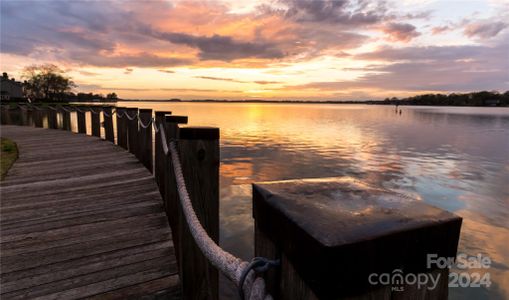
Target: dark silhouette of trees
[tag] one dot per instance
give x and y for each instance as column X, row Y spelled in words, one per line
column 483, row 98
column 112, row 96
column 46, row 82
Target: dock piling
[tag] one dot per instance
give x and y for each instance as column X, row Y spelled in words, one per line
column 121, row 127
column 169, row 191
column 95, row 117
column 82, row 121
column 199, row 156
column 66, row 117
column 145, row 138
column 332, row 253
column 159, row 159
column 132, row 129
column 108, row 124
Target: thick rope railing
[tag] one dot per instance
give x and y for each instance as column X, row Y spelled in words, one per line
column 93, row 111
column 144, row 126
column 131, row 118
column 79, row 110
column 235, row 269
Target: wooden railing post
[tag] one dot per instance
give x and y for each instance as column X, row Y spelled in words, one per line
column 199, row 156
column 82, row 120
column 108, row 124
column 132, row 129
column 159, row 159
column 15, row 115
column 52, row 117
column 39, row 112
column 169, row 187
column 332, row 234
column 66, row 118
column 95, row 117
column 121, row 127
column 3, row 115
column 23, row 115
column 145, row 139
column 29, row 115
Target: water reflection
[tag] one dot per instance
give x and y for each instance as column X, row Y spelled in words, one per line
column 453, row 158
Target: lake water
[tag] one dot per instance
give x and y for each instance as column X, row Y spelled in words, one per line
column 454, row 158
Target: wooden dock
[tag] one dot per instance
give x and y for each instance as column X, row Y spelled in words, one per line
column 82, row 218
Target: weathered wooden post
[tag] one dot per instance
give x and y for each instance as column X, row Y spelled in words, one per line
column 23, row 115
column 52, row 117
column 15, row 115
column 30, row 115
column 159, row 159
column 66, row 117
column 95, row 117
column 169, row 188
column 335, row 237
column 199, row 156
column 108, row 124
column 4, row 111
column 145, row 138
column 121, row 127
column 132, row 129
column 39, row 113
column 82, row 121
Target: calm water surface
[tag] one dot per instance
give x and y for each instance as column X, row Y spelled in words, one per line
column 453, row 158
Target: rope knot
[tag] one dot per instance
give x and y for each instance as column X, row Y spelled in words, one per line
column 258, row 265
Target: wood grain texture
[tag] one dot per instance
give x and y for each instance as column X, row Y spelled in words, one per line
column 200, row 166
column 75, row 224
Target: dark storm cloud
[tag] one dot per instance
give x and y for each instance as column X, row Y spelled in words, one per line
column 142, row 59
column 219, row 47
column 93, row 30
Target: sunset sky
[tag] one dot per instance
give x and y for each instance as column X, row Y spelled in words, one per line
column 286, row 49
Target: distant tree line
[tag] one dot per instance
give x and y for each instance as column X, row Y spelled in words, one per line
column 483, row 98
column 47, row 82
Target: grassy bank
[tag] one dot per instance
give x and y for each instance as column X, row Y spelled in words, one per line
column 9, row 155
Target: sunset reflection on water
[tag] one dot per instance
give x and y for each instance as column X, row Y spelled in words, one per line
column 454, row 158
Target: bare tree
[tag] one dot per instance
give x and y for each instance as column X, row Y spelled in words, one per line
column 46, row 82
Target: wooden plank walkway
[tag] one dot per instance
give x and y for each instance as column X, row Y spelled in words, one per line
column 82, row 218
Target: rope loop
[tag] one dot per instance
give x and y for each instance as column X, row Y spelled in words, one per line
column 94, row 112
column 131, row 118
column 79, row 110
column 258, row 265
column 144, row 126
column 121, row 114
column 65, row 109
column 109, row 115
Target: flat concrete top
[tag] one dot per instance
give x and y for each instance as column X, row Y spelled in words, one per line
column 341, row 210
